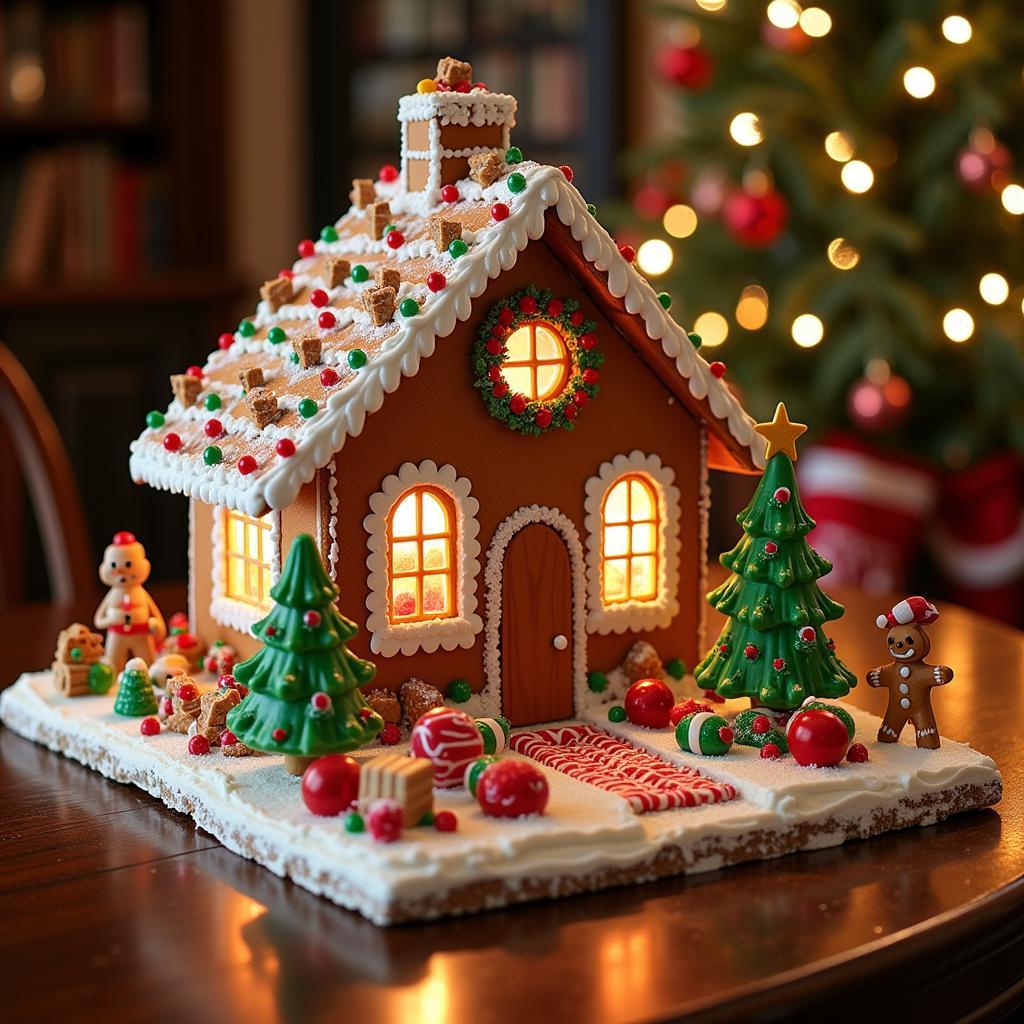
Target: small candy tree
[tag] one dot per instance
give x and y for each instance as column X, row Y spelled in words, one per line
column 773, row 649
column 304, row 698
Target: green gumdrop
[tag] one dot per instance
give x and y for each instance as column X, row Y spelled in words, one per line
column 457, row 248
column 360, row 273
column 592, row 209
column 459, row 691
column 516, row 182
column 212, row 455
column 354, row 822
column 840, row 712
column 246, row 328
column 597, row 682
column 513, row 155
column 101, row 678
column 154, row 420
column 676, row 668
column 616, row 713
column 665, row 299
column 76, row 653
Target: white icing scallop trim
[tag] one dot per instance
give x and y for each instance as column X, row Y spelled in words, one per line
column 461, row 108
column 493, row 574
column 226, row 610
column 334, row 550
column 388, row 639
column 704, row 518
column 495, row 249
column 634, row 615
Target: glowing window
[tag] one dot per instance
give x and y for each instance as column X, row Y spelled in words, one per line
column 630, row 525
column 538, row 364
column 421, row 555
column 248, row 551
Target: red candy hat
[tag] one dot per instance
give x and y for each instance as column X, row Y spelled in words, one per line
column 911, row 609
column 123, row 537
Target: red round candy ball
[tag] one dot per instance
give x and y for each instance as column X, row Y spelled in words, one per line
column 857, row 754
column 172, row 442
column 149, row 726
column 687, row 707
column 285, row 448
column 450, row 740
column 326, row 319
column 195, row 371
column 330, row 784
column 450, row 194
column 246, row 465
column 445, row 821
column 436, row 281
column 198, row 745
column 770, row 547
column 761, row 725
column 649, row 703
column 328, row 377
column 166, row 707
column 499, row 211
column 390, row 734
column 543, row 418
column 227, row 738
column 508, row 789
column 717, row 369
column 188, row 692
column 312, row 618
column 770, row 751
column 384, row 820
column 306, row 248
column 627, row 252
column 213, row 428
column 318, row 297
column 388, row 173
column 817, row 737
column 517, row 405
column 225, row 341
column 395, row 239
column 567, row 171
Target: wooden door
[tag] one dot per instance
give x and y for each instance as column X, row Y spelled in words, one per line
column 536, row 627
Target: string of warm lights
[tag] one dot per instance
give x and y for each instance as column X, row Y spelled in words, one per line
column 656, row 256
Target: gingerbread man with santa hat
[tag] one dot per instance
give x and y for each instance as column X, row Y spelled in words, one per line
column 130, row 616
column 908, row 678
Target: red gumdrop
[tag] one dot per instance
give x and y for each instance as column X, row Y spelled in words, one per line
column 436, row 281
column 285, row 448
column 770, row 751
column 246, row 465
column 395, row 239
column 649, row 703
column 445, row 821
column 687, row 707
column 198, row 745
column 384, row 820
column 149, row 726
column 326, row 320
column 318, row 297
column 328, row 377
column 225, row 341
column 857, row 754
column 717, row 369
column 627, row 252
column 172, row 442
column 330, row 784
column 499, row 211
column 817, row 737
column 449, row 193
column 509, row 789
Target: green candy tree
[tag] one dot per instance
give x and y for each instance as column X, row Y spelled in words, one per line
column 304, row 699
column 773, row 649
column 135, row 697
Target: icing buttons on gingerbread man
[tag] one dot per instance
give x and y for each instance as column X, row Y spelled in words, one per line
column 908, row 678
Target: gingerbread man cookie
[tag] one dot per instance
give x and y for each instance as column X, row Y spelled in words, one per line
column 908, row 678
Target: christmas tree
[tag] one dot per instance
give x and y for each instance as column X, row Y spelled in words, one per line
column 135, row 696
column 839, row 204
column 304, row 698
column 773, row 649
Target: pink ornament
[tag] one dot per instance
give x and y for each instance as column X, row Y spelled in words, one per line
column 384, row 820
column 817, row 737
column 649, row 703
column 450, row 740
column 756, row 221
column 509, row 789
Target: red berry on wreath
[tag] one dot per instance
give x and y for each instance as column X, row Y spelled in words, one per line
column 499, row 211
column 555, row 307
column 588, row 340
column 687, row 707
column 149, row 726
column 384, row 820
column 445, row 821
column 500, row 390
column 449, row 193
column 390, row 734
column 517, row 404
column 499, row 331
column 306, row 248
column 857, row 754
column 198, row 745
column 508, row 789
column 717, row 369
column 817, row 737
column 494, row 347
column 506, row 316
column 436, row 281
column 649, row 703
column 770, row 751
column 388, row 173
column 581, row 398
column 528, row 304
column 590, row 375
column 330, row 784
column 569, row 412
column 285, row 448
column 543, row 418
column 577, row 318
column 751, row 652
column 494, row 373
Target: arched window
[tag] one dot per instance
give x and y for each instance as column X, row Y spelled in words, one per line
column 421, row 556
column 538, row 364
column 630, row 528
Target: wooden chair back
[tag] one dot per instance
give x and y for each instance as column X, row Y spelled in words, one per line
column 45, row 470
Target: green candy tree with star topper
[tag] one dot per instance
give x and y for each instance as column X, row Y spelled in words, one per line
column 304, row 699
column 773, row 649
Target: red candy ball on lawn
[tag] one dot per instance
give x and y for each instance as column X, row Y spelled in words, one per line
column 330, row 784
column 390, row 734
column 436, row 281
column 817, row 737
column 857, row 754
column 198, row 745
column 450, row 194
column 384, row 820
column 687, row 707
column 149, row 726
column 499, row 211
column 649, row 703
column 508, row 789
column 445, row 821
column 450, row 740
column 770, row 751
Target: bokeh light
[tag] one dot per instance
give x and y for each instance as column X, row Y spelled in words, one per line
column 752, row 308
column 842, row 254
column 745, row 129
column 957, row 29
column 680, row 221
column 919, row 82
column 857, row 176
column 839, row 146
column 712, row 327
column 815, row 22
column 958, row 325
column 994, row 289
column 808, row 330
column 655, row 256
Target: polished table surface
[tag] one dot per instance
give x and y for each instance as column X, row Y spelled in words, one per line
column 114, row 908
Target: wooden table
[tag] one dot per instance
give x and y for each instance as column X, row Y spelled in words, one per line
column 113, row 908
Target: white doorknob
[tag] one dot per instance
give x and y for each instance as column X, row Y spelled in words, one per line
column 559, row 642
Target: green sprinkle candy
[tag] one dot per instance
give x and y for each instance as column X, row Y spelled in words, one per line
column 276, row 335
column 409, row 307
column 246, row 328
column 459, row 691
column 597, row 682
column 695, row 339
column 616, row 713
column 457, row 248
column 154, row 420
column 308, row 408
column 513, row 155
column 516, row 182
column 665, row 299
column 360, row 273
column 592, row 209
column 354, row 822
column 212, row 455
column 212, row 402
column 329, row 233
column 357, row 358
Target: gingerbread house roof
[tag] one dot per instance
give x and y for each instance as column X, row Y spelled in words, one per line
column 264, row 468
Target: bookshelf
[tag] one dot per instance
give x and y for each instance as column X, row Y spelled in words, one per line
column 112, row 235
column 561, row 58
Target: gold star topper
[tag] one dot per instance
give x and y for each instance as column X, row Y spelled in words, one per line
column 780, row 434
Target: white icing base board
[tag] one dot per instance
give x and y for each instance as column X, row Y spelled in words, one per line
column 588, row 840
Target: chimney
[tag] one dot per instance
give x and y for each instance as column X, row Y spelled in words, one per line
column 448, row 120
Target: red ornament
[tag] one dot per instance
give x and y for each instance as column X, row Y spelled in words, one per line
column 590, row 375
column 213, row 428
column 986, row 166
column 567, row 171
column 306, row 248
column 717, row 369
column 436, row 281
column 507, row 315
column 569, row 412
column 495, row 347
column 225, row 341
column 172, row 442
column 689, row 67
column 195, row 371
column 576, row 318
column 227, row 738
column 270, row 631
column 366, row 713
column 388, row 173
column 508, row 789
column 188, row 692
column 326, row 320
column 450, row 740
column 555, row 307
column 395, row 239
column 627, row 252
column 761, row 725
column 543, row 418
column 528, row 304
column 330, row 784
column 779, row 664
column 390, row 734
column 279, row 735
column 450, row 194
column 499, row 331
column 499, row 211
column 817, row 737
column 770, row 547
column 588, row 340
column 285, row 448
column 384, row 820
column 807, row 634
column 755, row 221
column 751, row 652
column 246, row 465
column 149, row 726
column 687, row 707
column 649, row 703
column 500, row 390
column 198, row 745
column 581, row 397
column 770, row 751
column 321, row 701
column 857, row 754
column 782, row 495
column 723, row 648
column 445, row 821
column 318, row 297
column 312, row 618
column 517, row 404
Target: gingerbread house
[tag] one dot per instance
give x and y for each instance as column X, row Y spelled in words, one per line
column 468, row 394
